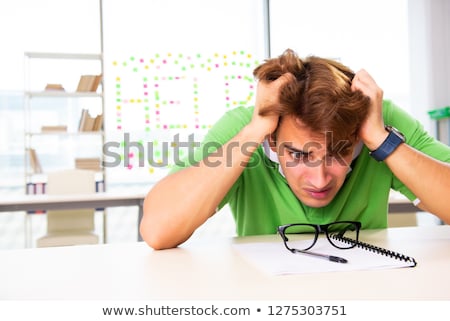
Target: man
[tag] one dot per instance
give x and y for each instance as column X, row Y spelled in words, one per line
column 319, row 146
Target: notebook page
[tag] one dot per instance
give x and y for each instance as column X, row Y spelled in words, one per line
column 273, row 258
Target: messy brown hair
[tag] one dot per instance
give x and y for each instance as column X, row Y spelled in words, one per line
column 319, row 95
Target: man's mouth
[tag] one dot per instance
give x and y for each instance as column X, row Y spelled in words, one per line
column 319, row 193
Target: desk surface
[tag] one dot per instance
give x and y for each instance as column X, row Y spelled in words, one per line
column 45, row 201
column 214, row 270
column 73, row 201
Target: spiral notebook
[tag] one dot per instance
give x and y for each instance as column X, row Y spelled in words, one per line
column 382, row 251
column 274, row 259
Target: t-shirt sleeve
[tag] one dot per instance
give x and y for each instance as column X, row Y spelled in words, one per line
column 228, row 126
column 417, row 137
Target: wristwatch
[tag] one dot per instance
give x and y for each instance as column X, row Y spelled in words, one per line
column 391, row 142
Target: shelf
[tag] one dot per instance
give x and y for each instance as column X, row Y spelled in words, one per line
column 62, row 112
column 62, row 94
column 62, row 133
column 52, row 55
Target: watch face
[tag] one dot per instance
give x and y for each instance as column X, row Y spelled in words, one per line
column 396, row 132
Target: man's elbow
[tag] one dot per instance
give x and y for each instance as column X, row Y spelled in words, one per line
column 153, row 238
column 156, row 238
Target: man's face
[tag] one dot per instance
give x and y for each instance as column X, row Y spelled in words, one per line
column 314, row 175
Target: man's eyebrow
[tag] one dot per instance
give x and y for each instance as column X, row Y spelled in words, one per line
column 293, row 149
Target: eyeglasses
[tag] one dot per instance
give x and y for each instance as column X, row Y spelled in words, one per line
column 342, row 235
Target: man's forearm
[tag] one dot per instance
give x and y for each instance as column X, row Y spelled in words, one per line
column 426, row 177
column 182, row 201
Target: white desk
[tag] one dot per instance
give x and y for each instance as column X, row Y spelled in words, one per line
column 214, row 270
column 65, row 202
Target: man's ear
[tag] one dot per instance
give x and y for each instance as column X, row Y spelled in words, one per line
column 273, row 141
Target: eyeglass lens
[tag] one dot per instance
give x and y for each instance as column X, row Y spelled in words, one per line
column 303, row 236
column 343, row 234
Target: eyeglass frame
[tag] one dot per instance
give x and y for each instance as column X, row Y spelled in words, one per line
column 319, row 228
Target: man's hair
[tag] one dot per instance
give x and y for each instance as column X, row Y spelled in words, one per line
column 319, row 95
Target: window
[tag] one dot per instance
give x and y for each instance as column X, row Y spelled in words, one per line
column 173, row 72
column 370, row 34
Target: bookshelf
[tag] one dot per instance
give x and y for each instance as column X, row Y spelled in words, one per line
column 63, row 108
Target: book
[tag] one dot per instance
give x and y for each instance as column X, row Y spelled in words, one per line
column 89, row 83
column 34, row 161
column 36, row 188
column 96, row 82
column 52, row 129
column 84, row 115
column 98, row 123
column 88, row 123
column 56, row 87
column 92, row 163
column 274, row 259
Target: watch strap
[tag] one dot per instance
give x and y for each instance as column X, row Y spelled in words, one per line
column 392, row 141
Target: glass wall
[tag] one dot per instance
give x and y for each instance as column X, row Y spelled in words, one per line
column 35, row 26
column 12, row 171
column 172, row 69
column 369, row 34
column 170, row 72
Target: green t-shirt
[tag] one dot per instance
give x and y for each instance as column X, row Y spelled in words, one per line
column 261, row 199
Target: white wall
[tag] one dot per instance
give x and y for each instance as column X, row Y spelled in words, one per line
column 405, row 45
column 44, row 25
column 429, row 28
column 368, row 34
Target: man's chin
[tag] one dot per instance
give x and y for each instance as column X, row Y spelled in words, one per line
column 316, row 203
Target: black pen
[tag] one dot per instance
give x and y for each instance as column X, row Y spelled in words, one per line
column 331, row 258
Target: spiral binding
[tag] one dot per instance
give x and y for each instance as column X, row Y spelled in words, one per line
column 375, row 249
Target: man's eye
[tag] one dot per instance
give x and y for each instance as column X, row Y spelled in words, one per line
column 299, row 156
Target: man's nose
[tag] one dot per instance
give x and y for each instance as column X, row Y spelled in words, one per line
column 318, row 174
